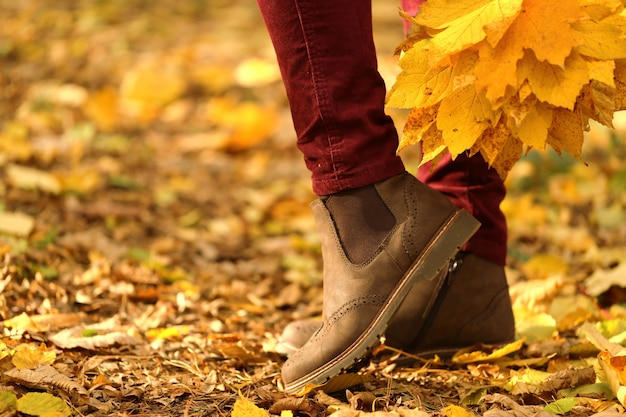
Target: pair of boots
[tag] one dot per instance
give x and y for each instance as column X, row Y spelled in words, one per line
column 391, row 268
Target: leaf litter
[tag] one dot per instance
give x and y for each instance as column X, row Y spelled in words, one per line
column 155, row 235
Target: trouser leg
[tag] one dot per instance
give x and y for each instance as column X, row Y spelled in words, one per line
column 326, row 54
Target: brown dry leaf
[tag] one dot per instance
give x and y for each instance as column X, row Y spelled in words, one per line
column 45, row 376
column 350, row 413
column 99, row 335
column 412, row 412
column 612, row 412
column 73, row 338
column 400, row 412
column 503, row 406
column 361, row 400
column 239, row 351
column 302, row 405
column 568, row 378
column 100, row 380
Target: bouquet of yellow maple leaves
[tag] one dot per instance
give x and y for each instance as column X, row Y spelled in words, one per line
column 503, row 76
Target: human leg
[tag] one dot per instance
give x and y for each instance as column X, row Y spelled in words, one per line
column 382, row 230
column 327, row 58
column 472, row 303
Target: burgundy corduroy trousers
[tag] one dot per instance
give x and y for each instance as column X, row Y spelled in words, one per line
column 326, row 54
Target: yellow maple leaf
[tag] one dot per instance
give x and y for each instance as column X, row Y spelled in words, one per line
column 551, row 83
column 426, row 85
column 509, row 154
column 417, row 124
column 432, row 147
column 516, row 109
column 533, row 129
column 509, row 74
column 493, row 17
column 601, row 40
column 599, row 10
column 545, row 28
column 597, row 100
column 620, row 84
column 420, row 128
column 566, row 133
column 603, row 71
column 463, row 117
column 496, row 70
column 438, row 14
column 494, row 139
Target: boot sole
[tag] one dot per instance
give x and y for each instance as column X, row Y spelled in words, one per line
column 457, row 230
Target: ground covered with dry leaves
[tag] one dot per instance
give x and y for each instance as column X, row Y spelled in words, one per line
column 155, row 235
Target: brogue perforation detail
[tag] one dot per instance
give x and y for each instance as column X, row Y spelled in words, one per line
column 355, row 304
column 410, row 229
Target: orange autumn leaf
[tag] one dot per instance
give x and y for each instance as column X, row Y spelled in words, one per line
column 463, row 117
column 538, row 69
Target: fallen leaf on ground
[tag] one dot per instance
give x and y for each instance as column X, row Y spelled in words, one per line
column 44, row 377
column 42, row 404
column 245, row 408
column 8, row 401
column 95, row 336
column 29, row 357
column 16, row 223
column 473, row 355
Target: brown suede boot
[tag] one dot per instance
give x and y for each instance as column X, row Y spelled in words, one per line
column 360, row 299
column 472, row 306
